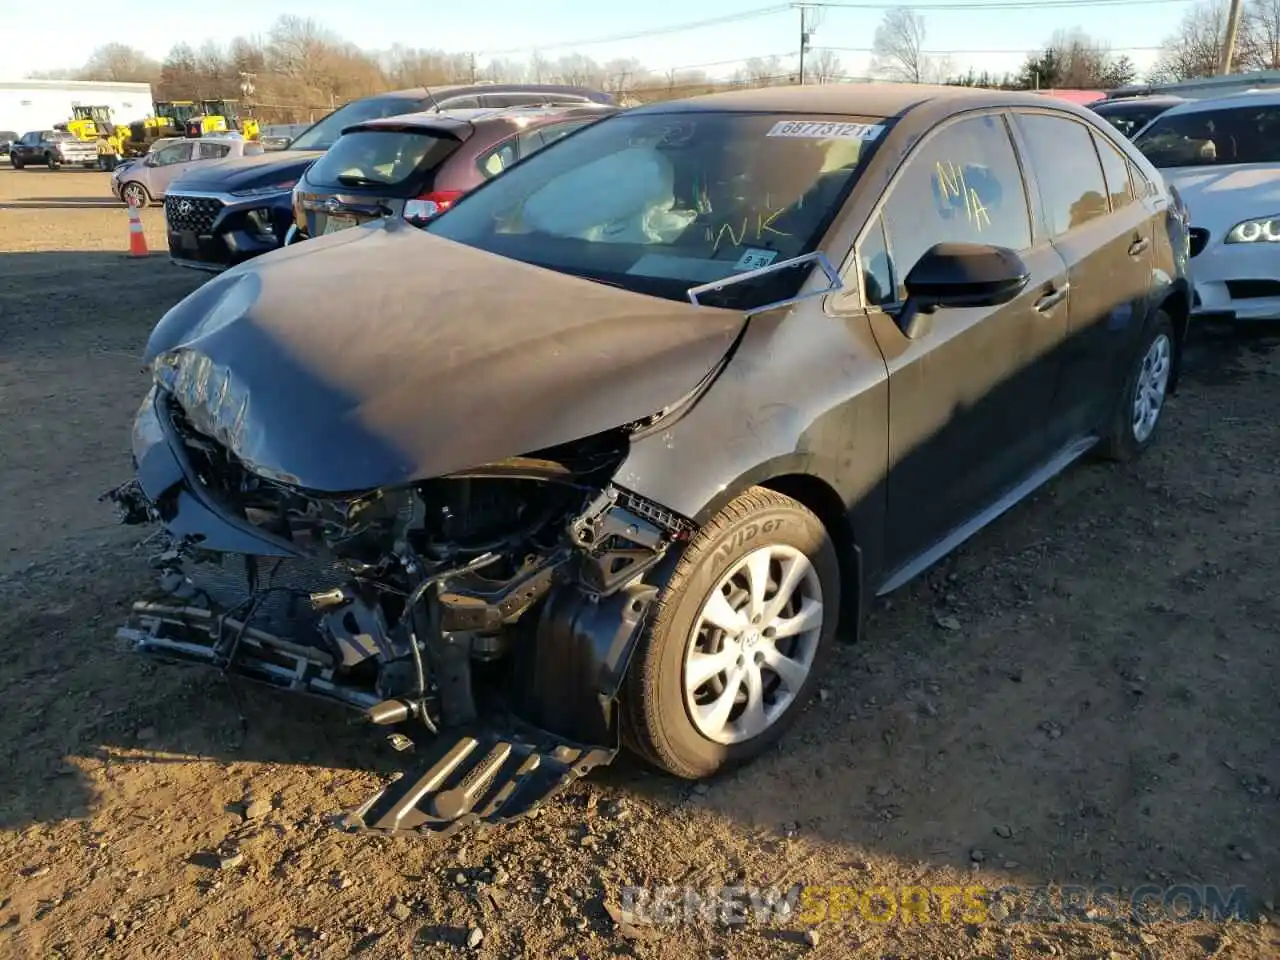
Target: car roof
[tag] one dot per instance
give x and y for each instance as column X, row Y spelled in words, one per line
column 855, row 99
column 1145, row 100
column 435, row 93
column 457, row 120
column 1242, row 98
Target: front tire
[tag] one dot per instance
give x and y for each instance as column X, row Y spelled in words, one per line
column 136, row 192
column 1137, row 418
column 17, row 164
column 736, row 640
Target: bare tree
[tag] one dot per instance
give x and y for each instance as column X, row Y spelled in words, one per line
column 1260, row 41
column 823, row 66
column 763, row 71
column 118, row 61
column 898, row 47
column 1195, row 48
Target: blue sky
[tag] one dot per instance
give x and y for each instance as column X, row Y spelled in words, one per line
column 39, row 36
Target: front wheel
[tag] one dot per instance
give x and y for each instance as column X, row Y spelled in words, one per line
column 136, row 194
column 1133, row 427
column 736, row 640
column 17, row 164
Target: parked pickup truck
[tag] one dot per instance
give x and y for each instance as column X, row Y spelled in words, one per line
column 52, row 148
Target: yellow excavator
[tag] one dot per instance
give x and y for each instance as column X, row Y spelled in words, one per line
column 219, row 116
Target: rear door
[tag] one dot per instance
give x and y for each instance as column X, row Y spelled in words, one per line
column 1104, row 233
column 968, row 397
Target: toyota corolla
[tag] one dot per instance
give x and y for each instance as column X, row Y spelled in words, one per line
column 609, row 452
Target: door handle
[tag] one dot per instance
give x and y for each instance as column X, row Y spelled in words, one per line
column 1138, row 246
column 1052, row 298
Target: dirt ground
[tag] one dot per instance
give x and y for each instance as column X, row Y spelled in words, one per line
column 1085, row 694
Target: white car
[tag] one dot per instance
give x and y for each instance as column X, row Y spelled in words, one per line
column 1223, row 157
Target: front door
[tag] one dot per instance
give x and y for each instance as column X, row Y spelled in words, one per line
column 1104, row 233
column 968, row 396
column 170, row 163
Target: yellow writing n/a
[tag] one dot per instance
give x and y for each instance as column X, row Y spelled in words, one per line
column 952, row 183
column 885, row 904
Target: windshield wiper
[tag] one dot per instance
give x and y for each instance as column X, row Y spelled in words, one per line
column 349, row 180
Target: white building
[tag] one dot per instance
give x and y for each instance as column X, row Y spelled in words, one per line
column 38, row 104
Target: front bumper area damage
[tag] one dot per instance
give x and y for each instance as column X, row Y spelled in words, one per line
column 483, row 620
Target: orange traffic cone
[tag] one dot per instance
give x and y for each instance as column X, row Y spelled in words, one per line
column 137, row 239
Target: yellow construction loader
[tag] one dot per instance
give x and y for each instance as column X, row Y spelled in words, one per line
column 89, row 123
column 219, row 116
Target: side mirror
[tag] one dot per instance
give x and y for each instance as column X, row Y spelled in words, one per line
column 960, row 275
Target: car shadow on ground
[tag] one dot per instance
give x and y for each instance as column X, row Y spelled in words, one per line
column 1007, row 707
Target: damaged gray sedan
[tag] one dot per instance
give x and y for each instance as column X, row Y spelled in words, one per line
column 603, row 455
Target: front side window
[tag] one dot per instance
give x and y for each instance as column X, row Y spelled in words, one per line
column 661, row 202
column 381, row 158
column 1067, row 168
column 963, row 185
column 177, row 153
column 877, row 271
column 1241, row 134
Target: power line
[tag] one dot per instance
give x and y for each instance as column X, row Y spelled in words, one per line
column 651, row 32
column 992, row 51
column 990, row 5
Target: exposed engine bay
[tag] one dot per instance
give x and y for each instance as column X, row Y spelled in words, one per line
column 486, row 616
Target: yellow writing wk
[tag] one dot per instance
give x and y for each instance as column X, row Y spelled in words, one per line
column 764, row 224
column 887, row 904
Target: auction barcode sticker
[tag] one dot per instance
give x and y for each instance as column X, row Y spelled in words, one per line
column 818, row 130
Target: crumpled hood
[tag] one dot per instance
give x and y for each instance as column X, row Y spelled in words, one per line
column 245, row 173
column 382, row 354
column 1219, row 197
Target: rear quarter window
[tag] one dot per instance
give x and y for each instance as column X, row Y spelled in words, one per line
column 381, row 158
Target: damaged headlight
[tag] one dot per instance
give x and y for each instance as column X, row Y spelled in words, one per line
column 215, row 402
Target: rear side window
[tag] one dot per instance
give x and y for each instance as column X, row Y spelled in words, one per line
column 493, row 162
column 962, row 186
column 380, row 158
column 1245, row 134
column 1067, row 169
column 213, row 151
column 1116, row 170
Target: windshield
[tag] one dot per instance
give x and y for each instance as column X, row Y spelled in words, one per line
column 380, row 158
column 661, row 202
column 1243, row 134
column 324, row 134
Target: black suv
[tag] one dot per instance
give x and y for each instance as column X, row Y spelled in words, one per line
column 223, row 213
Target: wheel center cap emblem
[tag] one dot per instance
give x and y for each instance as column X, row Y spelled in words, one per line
column 751, row 638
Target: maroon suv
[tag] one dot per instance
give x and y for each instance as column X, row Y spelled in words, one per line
column 417, row 165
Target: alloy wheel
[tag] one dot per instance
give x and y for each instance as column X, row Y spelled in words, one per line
column 753, row 644
column 1152, row 385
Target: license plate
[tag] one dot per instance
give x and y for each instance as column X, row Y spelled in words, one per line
column 334, row 224
column 188, row 241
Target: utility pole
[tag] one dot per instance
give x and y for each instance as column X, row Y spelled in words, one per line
column 472, row 62
column 804, row 39
column 1229, row 43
